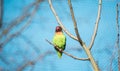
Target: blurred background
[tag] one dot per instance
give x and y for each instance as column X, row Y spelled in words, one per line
column 26, row 24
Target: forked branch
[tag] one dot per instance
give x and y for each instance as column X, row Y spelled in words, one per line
column 96, row 25
column 90, row 57
column 17, row 21
column 80, row 40
column 18, row 32
column 33, row 62
column 59, row 22
column 84, row 59
column 75, row 24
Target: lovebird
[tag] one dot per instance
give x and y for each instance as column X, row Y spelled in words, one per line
column 59, row 40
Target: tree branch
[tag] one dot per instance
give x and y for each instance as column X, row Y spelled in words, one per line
column 75, row 24
column 84, row 59
column 117, row 25
column 3, row 59
column 37, row 50
column 1, row 13
column 59, row 22
column 96, row 25
column 18, row 32
column 40, row 57
column 80, row 40
column 117, row 42
column 18, row 20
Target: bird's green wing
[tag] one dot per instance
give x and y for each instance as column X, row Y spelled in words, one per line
column 60, row 41
column 64, row 44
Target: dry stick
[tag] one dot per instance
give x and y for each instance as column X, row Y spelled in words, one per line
column 27, row 8
column 3, row 59
column 17, row 21
column 84, row 59
column 13, row 24
column 37, row 50
column 117, row 25
column 96, row 24
column 80, row 40
column 40, row 57
column 60, row 23
column 18, row 32
column 117, row 43
column 1, row 13
column 111, row 60
column 88, row 52
column 75, row 24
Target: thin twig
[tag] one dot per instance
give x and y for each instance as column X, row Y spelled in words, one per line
column 39, row 58
column 75, row 24
column 80, row 40
column 117, row 26
column 3, row 59
column 37, row 50
column 96, row 24
column 13, row 24
column 18, row 20
column 18, row 32
column 117, row 42
column 59, row 22
column 1, row 13
column 84, row 59
column 33, row 62
column 111, row 60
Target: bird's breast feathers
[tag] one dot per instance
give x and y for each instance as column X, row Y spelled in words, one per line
column 59, row 40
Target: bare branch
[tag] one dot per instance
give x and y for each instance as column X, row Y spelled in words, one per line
column 27, row 8
column 90, row 57
column 117, row 26
column 6, row 31
column 1, row 13
column 40, row 57
column 117, row 43
column 59, row 22
column 84, row 59
column 18, row 32
column 111, row 60
column 96, row 24
column 80, row 40
column 37, row 50
column 3, row 59
column 75, row 24
column 18, row 20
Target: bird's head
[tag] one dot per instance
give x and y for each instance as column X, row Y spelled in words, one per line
column 58, row 29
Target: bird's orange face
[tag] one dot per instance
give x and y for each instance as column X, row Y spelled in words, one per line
column 58, row 29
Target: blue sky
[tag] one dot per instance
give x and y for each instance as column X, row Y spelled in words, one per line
column 43, row 25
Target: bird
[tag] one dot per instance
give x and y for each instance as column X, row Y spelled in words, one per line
column 59, row 40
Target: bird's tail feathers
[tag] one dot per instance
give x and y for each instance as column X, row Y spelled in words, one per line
column 59, row 54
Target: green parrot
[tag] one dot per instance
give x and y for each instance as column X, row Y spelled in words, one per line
column 59, row 40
